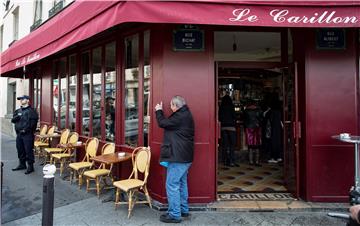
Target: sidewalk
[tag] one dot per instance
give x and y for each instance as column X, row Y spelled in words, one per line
column 92, row 212
column 22, row 200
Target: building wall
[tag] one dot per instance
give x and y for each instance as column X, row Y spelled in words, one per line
column 332, row 108
column 26, row 19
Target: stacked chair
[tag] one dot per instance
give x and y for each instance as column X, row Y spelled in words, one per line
column 78, row 168
column 102, row 172
column 141, row 163
column 42, row 143
column 38, row 138
column 66, row 154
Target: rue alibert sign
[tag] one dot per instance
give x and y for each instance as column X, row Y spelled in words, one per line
column 330, row 38
column 188, row 38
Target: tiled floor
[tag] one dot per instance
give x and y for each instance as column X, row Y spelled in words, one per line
column 248, row 178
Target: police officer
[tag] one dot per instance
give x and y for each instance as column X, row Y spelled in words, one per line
column 25, row 119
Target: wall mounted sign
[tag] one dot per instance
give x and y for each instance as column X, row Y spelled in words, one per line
column 188, row 38
column 330, row 38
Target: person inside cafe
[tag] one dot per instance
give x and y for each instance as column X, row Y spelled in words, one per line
column 227, row 117
column 25, row 119
column 110, row 115
column 252, row 124
column 176, row 154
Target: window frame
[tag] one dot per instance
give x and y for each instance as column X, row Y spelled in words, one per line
column 140, row 91
column 119, row 42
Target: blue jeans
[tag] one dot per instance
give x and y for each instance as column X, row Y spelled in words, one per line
column 176, row 189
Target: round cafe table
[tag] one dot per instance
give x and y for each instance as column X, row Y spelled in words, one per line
column 354, row 195
column 355, row 189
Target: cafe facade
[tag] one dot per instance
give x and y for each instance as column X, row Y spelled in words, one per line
column 102, row 74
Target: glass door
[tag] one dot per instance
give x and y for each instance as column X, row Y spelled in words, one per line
column 292, row 129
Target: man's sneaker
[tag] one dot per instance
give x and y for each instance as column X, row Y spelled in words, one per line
column 272, row 161
column 166, row 218
column 185, row 214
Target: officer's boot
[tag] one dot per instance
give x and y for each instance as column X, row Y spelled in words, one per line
column 30, row 168
column 21, row 166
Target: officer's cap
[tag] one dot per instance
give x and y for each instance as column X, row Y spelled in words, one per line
column 23, row 97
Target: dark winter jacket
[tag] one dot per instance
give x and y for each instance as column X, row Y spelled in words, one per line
column 227, row 115
column 178, row 142
column 252, row 117
column 25, row 120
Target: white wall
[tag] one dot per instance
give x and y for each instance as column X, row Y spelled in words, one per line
column 26, row 19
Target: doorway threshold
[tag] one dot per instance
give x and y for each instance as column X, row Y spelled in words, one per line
column 274, row 206
column 255, row 196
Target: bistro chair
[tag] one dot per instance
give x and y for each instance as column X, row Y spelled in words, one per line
column 141, row 163
column 59, row 147
column 43, row 142
column 102, row 172
column 43, row 130
column 67, row 153
column 78, row 168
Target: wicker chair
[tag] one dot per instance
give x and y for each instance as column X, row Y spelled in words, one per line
column 141, row 164
column 102, row 172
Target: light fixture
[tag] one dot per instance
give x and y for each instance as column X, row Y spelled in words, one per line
column 234, row 47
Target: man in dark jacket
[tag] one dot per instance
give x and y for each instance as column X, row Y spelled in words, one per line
column 25, row 119
column 177, row 151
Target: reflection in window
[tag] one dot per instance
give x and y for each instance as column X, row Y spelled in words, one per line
column 36, row 97
column 72, row 92
column 110, row 93
column 55, row 94
column 131, row 90
column 85, row 92
column 96, row 101
column 147, row 75
column 63, row 93
column 35, row 102
column 290, row 47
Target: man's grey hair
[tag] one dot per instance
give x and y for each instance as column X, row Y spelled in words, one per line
column 178, row 101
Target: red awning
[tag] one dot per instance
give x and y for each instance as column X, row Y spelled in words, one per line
column 83, row 19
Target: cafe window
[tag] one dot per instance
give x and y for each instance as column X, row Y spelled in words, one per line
column 55, row 93
column 110, row 90
column 96, row 92
column 63, row 92
column 72, row 92
column 37, row 94
column 147, row 75
column 131, row 83
column 137, row 89
column 85, row 104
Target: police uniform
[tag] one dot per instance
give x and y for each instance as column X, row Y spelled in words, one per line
column 25, row 119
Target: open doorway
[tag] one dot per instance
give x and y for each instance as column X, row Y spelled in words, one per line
column 253, row 72
column 256, row 166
